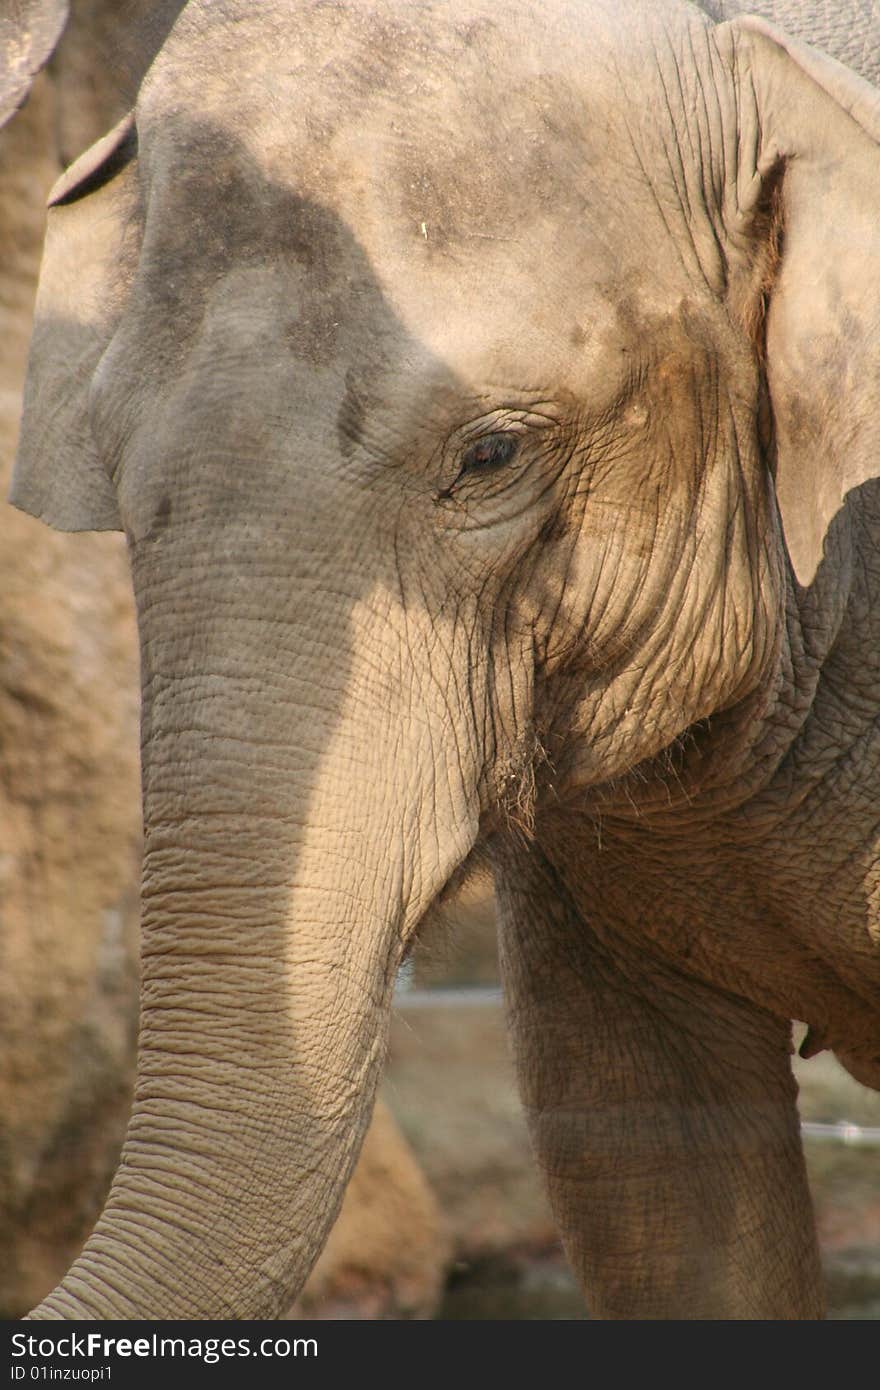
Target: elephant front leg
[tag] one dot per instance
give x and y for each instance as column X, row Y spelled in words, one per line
column 663, row 1114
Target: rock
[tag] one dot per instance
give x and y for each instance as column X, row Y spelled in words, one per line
column 69, row 812
column 451, row 1086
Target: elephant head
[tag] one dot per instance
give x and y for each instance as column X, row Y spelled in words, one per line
column 469, row 382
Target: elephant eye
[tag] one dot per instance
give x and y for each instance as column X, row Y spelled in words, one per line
column 491, row 452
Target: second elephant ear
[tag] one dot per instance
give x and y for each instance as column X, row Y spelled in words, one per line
column 808, row 192
column 29, row 31
column 87, row 260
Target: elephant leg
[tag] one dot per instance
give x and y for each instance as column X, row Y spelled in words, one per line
column 663, row 1113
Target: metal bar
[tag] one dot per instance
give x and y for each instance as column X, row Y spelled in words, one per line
column 483, row 996
column 842, row 1132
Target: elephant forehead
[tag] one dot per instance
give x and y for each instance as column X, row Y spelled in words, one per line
column 449, row 174
column 469, row 117
column 366, row 51
column 233, row 263
column 463, row 247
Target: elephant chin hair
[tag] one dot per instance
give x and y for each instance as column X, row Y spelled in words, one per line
column 527, row 769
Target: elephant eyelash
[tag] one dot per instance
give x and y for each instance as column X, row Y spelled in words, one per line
column 491, row 452
column 485, row 456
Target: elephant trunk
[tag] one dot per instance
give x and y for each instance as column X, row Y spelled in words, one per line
column 280, row 882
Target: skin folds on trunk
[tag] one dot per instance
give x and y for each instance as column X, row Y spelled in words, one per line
column 275, row 897
column 310, row 784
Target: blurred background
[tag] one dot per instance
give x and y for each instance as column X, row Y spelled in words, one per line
column 446, row 1216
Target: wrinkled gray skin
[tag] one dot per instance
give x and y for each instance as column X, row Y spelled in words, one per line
column 489, row 397
column 70, row 823
column 847, row 29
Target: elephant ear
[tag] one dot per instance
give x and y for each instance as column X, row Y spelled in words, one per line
column 805, row 265
column 59, row 475
column 29, row 31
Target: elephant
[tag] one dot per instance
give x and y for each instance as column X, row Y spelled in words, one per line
column 70, row 823
column 488, row 396
column 28, row 38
